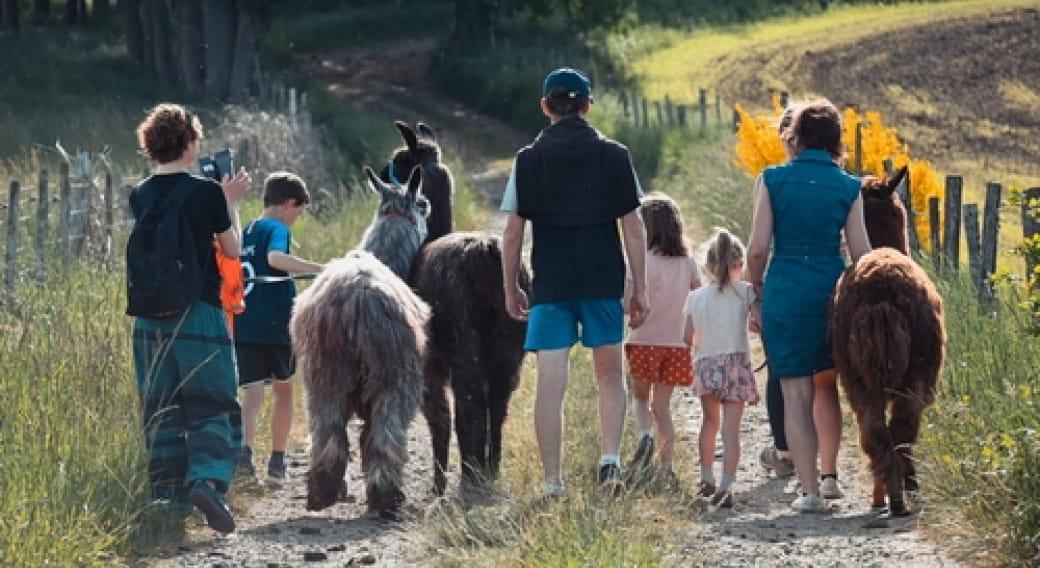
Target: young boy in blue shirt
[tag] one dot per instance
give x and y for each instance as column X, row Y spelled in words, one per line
column 262, row 345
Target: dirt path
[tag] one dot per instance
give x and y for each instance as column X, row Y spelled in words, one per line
column 275, row 530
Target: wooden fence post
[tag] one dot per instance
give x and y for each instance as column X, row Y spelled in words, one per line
column 624, row 103
column 42, row 214
column 1030, row 222
column 990, row 235
column 859, row 149
column 952, row 222
column 646, row 113
column 933, row 230
column 659, row 113
column 702, row 97
column 668, row 110
column 680, row 112
column 718, row 108
column 64, row 232
column 971, row 237
column 10, row 271
column 110, row 216
column 784, row 98
column 736, row 120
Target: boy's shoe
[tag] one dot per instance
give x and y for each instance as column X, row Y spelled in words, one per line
column 644, row 453
column 705, row 488
column 211, row 503
column 809, row 503
column 244, row 463
column 770, row 458
column 831, row 489
column 722, row 499
column 610, row 479
column 276, row 475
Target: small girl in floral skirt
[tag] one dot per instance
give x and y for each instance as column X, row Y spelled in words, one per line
column 717, row 329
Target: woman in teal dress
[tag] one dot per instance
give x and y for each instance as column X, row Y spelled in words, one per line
column 802, row 208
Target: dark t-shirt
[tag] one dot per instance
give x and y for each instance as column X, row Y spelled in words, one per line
column 207, row 213
column 268, row 305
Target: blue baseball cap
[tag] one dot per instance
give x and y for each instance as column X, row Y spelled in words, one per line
column 575, row 82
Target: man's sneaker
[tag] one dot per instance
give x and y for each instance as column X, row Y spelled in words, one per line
column 211, row 503
column 809, row 503
column 610, row 479
column 783, row 467
column 644, row 453
column 831, row 489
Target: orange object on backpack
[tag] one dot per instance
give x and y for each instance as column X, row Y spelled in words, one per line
column 232, row 286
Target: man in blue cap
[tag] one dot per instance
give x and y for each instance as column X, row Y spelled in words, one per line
column 573, row 184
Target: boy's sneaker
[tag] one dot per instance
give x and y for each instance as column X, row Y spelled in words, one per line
column 244, row 463
column 644, row 453
column 770, row 458
column 809, row 503
column 831, row 489
column 722, row 499
column 610, row 479
column 276, row 475
column 211, row 503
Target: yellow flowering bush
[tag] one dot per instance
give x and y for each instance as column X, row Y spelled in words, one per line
column 759, row 146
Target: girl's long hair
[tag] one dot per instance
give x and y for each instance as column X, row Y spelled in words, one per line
column 665, row 229
column 724, row 249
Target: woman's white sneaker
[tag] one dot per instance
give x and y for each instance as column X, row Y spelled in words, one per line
column 809, row 503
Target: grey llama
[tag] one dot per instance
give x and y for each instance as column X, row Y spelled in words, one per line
column 359, row 332
column 475, row 347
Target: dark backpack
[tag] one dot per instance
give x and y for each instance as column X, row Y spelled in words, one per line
column 163, row 276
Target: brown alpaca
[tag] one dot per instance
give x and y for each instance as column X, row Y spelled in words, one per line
column 359, row 332
column 474, row 346
column 888, row 340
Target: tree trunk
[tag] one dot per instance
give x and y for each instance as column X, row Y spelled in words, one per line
column 245, row 56
column 146, row 15
column 130, row 13
column 162, row 48
column 102, row 12
column 9, row 14
column 218, row 28
column 81, row 11
column 71, row 12
column 191, row 51
column 41, row 12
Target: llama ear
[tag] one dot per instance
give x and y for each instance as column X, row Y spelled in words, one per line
column 425, row 130
column 374, row 182
column 897, row 178
column 408, row 134
column 414, row 180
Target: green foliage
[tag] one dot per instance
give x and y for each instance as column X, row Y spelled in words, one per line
column 303, row 31
column 980, row 451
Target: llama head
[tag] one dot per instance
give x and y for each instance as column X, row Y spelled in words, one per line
column 406, row 202
column 883, row 211
column 420, row 149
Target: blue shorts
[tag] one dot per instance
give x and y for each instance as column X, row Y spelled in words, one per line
column 556, row 325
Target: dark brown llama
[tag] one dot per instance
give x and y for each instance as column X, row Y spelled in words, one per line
column 474, row 346
column 888, row 339
column 421, row 149
column 359, row 332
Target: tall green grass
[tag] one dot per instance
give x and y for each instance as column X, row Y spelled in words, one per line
column 980, row 450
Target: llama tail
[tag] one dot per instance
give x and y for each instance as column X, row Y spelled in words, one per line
column 879, row 340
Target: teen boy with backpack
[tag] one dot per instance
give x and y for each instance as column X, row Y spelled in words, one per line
column 183, row 356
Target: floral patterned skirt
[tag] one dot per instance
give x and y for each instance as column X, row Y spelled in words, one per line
column 728, row 376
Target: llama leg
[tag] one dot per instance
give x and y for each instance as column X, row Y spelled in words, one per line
column 330, row 449
column 438, row 419
column 876, row 442
column 384, row 444
column 471, row 425
column 904, row 425
column 498, row 409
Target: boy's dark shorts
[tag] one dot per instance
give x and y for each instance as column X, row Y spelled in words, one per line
column 264, row 363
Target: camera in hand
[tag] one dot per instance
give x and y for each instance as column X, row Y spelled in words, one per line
column 218, row 165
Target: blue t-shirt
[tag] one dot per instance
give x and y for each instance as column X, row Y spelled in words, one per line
column 268, row 305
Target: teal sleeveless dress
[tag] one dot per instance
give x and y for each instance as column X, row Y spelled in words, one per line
column 811, row 197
